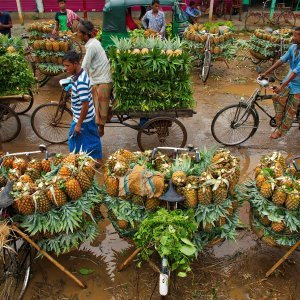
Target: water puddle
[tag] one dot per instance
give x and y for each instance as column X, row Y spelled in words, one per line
column 107, row 249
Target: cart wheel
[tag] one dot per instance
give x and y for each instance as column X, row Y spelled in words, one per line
column 161, row 131
column 10, row 124
column 23, row 107
column 51, row 123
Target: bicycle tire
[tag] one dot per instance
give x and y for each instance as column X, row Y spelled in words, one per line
column 286, row 19
column 23, row 107
column 253, row 21
column 16, row 266
column 206, row 66
column 48, row 122
column 161, row 131
column 218, row 131
column 10, row 124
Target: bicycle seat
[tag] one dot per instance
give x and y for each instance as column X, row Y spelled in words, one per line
column 65, row 82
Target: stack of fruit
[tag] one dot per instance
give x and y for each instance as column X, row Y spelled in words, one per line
column 208, row 188
column 57, row 201
column 220, row 40
column 275, row 201
column 262, row 43
column 151, row 74
column 48, row 50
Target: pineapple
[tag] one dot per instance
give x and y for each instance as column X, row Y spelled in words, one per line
column 278, row 170
column 205, row 195
column 222, row 221
column 122, row 224
column 208, row 227
column 138, row 200
column 8, row 162
column 24, row 205
column 260, row 179
column 220, row 190
column 277, row 226
column 264, row 220
column 71, row 159
column 152, row 204
column 73, row 189
column 3, row 181
column 19, row 164
column 120, row 168
column 112, row 186
column 26, row 178
column 125, row 155
column 41, row 201
column 193, row 180
column 48, row 45
column 191, row 199
column 65, row 171
column 56, row 196
column 292, row 201
column 258, row 170
column 55, row 46
column 88, row 168
column 63, row 46
column 33, row 173
column 58, row 159
column 180, row 171
column 35, row 164
column 279, row 196
column 267, row 189
column 84, row 181
column 46, row 165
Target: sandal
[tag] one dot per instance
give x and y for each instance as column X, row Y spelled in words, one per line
column 276, row 134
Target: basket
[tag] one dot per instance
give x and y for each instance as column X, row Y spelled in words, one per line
column 4, row 234
column 258, row 55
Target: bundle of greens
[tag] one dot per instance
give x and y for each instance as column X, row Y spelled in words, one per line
column 151, row 75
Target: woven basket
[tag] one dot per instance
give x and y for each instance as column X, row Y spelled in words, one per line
column 258, row 55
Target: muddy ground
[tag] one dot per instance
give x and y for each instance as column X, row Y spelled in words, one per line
column 232, row 270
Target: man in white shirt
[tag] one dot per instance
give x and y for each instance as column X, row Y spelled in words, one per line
column 96, row 64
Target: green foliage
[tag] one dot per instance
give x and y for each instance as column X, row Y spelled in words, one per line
column 15, row 42
column 51, row 68
column 170, row 234
column 16, row 76
column 209, row 25
column 152, row 81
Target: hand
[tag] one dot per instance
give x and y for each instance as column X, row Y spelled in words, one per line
column 77, row 129
column 54, row 31
column 278, row 89
column 262, row 75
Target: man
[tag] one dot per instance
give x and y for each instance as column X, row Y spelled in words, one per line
column 5, row 23
column 96, row 64
column 155, row 19
column 285, row 106
column 64, row 18
column 193, row 13
column 83, row 134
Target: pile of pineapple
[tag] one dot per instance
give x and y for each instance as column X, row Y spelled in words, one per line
column 208, row 187
column 196, row 36
column 54, row 198
column 262, row 43
column 48, row 50
column 275, row 200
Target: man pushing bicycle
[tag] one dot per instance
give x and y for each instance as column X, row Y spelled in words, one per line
column 287, row 98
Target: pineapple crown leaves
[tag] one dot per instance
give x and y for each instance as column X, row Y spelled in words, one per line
column 217, row 182
column 183, row 164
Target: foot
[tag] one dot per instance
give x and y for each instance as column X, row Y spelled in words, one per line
column 276, row 134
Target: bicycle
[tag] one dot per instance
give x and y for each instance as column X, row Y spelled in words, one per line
column 236, row 123
column 206, row 63
column 15, row 263
column 285, row 18
column 172, row 198
column 51, row 121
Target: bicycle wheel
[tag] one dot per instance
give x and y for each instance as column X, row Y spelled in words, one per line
column 10, row 124
column 206, row 66
column 51, row 123
column 281, row 72
column 253, row 21
column 286, row 19
column 234, row 124
column 23, row 107
column 15, row 271
column 161, row 131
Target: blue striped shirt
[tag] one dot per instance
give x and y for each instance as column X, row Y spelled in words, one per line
column 82, row 92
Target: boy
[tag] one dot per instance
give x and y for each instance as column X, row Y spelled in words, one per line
column 83, row 134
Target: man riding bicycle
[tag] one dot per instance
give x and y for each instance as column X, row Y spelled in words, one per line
column 287, row 99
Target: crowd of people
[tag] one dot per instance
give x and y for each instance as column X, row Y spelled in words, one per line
column 92, row 80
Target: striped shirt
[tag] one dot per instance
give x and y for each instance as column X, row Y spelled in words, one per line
column 82, row 92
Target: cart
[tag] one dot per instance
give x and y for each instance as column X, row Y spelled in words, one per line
column 10, row 107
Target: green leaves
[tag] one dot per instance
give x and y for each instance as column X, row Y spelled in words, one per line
column 170, row 233
column 84, row 271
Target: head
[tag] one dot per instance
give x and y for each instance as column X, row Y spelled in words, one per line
column 85, row 30
column 71, row 62
column 155, row 6
column 296, row 36
column 192, row 4
column 62, row 5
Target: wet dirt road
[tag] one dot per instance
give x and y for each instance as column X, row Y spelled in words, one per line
column 233, row 270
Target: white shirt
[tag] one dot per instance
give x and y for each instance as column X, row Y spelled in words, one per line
column 95, row 62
